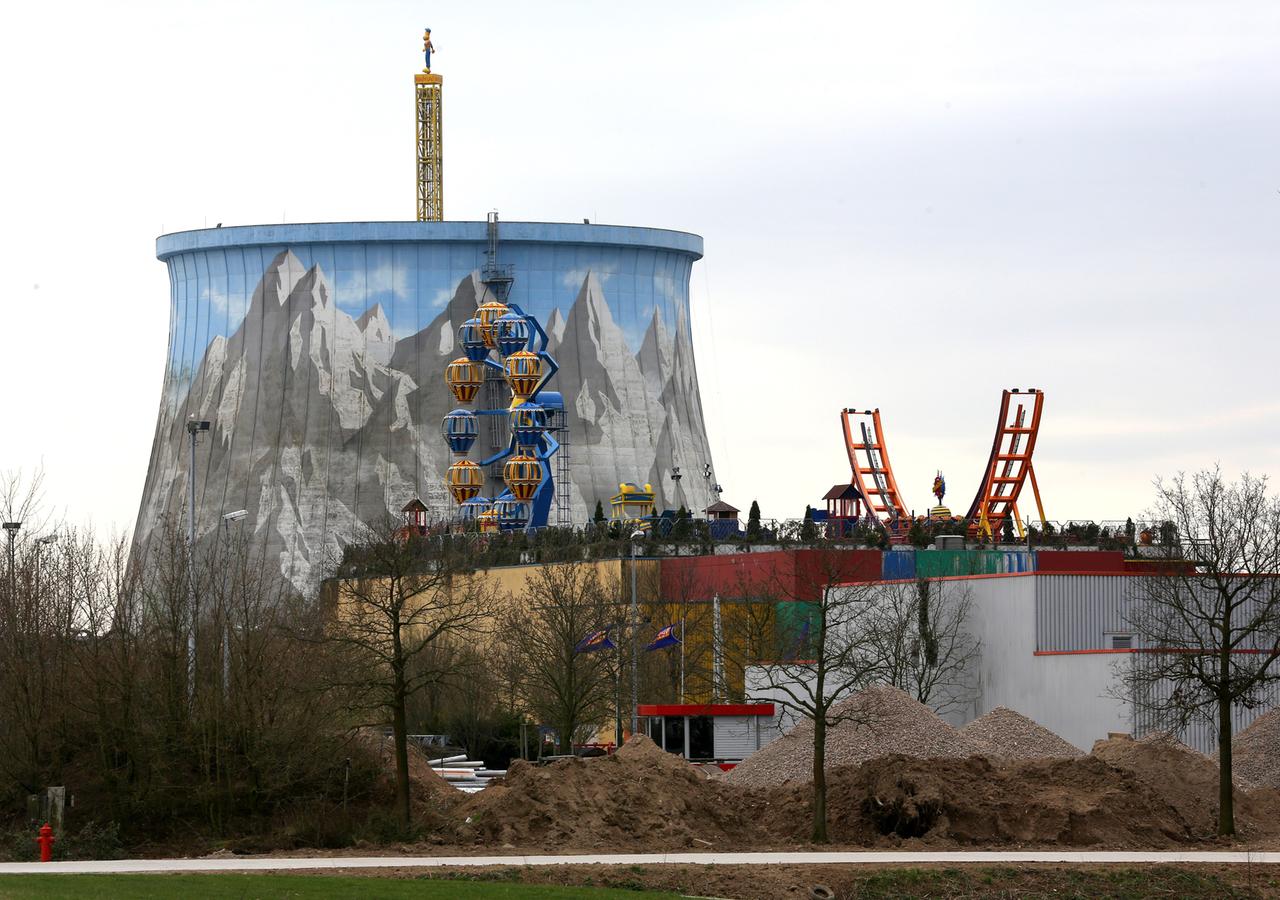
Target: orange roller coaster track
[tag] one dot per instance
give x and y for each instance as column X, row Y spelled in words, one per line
column 1009, row 466
column 869, row 461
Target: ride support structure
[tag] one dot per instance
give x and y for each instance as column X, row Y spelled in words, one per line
column 522, row 433
column 869, row 462
column 1007, row 470
column 1009, row 466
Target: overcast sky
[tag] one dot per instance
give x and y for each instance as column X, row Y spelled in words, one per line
column 909, row 206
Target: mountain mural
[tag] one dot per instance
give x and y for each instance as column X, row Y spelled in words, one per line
column 321, row 421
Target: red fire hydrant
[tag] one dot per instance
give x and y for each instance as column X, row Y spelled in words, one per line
column 46, row 842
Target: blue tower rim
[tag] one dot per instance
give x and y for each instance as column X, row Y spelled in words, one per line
column 168, row 245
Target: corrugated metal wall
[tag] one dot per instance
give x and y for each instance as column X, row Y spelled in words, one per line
column 736, row 737
column 898, row 565
column 1079, row 612
column 796, row 618
column 1084, row 612
column 1202, row 733
column 944, row 563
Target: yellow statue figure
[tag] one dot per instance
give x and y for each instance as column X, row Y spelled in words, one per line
column 427, row 48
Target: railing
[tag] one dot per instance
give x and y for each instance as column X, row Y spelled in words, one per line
column 677, row 536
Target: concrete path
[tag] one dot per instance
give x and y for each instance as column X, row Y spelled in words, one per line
column 280, row 864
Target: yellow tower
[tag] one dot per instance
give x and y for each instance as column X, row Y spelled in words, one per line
column 427, row 90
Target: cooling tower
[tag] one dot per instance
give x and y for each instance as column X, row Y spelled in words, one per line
column 317, row 355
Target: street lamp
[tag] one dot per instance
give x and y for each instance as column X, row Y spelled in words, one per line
column 635, row 683
column 11, row 531
column 195, row 427
column 227, row 520
column 42, row 542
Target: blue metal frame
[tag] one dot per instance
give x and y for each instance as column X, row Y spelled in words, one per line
column 547, row 445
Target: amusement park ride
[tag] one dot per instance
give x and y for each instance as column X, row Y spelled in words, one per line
column 519, row 341
column 1008, row 469
column 427, row 90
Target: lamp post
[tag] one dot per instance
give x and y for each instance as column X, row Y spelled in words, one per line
column 227, row 519
column 41, row 543
column 635, row 627
column 194, row 428
column 11, row 531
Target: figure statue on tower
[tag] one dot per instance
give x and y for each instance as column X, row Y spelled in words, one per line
column 427, row 48
column 939, row 512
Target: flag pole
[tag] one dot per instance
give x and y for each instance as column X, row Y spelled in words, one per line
column 617, row 698
column 682, row 660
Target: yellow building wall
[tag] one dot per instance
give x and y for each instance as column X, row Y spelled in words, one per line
column 748, row 631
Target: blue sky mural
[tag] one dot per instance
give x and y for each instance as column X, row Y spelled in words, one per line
column 212, row 289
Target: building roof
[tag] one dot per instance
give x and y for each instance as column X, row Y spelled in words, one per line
column 843, row 492
column 704, row 709
column 720, row 506
column 414, row 505
column 286, row 235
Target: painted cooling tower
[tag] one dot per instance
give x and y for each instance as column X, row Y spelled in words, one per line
column 317, row 353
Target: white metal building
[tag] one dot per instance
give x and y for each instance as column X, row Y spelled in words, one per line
column 1052, row 647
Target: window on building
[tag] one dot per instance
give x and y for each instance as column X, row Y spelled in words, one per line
column 1121, row 642
column 655, row 730
column 673, row 734
column 701, row 738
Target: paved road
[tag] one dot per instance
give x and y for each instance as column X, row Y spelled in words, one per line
column 276, row 864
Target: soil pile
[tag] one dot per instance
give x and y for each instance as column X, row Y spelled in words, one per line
column 1255, row 753
column 429, row 792
column 1006, row 734
column 1187, row 781
column 1071, row 802
column 638, row 798
column 879, row 720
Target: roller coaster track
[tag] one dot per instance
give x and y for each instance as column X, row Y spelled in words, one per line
column 1009, row 466
column 870, row 457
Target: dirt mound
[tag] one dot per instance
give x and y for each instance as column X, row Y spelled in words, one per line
column 638, row 798
column 429, row 792
column 640, row 751
column 1187, row 781
column 879, row 720
column 1006, row 734
column 1255, row 753
column 1071, row 802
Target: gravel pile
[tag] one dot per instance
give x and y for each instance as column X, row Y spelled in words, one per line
column 1255, row 759
column 1167, row 739
column 1006, row 734
column 881, row 720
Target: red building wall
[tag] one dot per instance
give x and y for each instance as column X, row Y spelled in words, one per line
column 1076, row 562
column 784, row 574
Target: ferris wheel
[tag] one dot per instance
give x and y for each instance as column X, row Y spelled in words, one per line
column 519, row 342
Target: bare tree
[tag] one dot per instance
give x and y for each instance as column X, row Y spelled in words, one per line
column 1207, row 621
column 542, row 631
column 398, row 598
column 35, row 623
column 679, row 672
column 821, row 658
column 920, row 632
column 96, row 693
